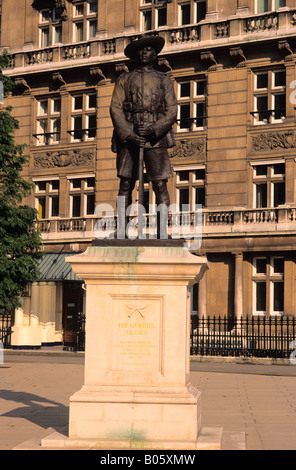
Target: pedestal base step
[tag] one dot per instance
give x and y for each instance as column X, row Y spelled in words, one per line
column 208, row 439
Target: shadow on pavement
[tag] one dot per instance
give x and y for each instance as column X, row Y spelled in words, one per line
column 39, row 410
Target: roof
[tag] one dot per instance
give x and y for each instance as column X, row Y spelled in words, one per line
column 53, row 267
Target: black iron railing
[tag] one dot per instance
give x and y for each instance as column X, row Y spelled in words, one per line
column 6, row 322
column 81, row 332
column 251, row 336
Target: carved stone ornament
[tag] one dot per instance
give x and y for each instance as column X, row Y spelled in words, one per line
column 274, row 141
column 62, row 159
column 189, row 148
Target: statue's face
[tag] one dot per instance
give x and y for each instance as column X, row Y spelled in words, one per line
column 147, row 55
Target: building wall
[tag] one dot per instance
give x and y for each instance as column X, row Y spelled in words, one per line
column 227, row 50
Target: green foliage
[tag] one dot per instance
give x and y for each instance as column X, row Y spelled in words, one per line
column 19, row 242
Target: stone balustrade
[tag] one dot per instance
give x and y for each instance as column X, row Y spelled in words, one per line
column 245, row 220
column 207, row 34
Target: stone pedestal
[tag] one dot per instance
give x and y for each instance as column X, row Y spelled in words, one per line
column 136, row 392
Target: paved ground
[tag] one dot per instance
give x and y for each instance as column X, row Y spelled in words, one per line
column 257, row 400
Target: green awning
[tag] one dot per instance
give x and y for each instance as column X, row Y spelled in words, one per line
column 53, row 267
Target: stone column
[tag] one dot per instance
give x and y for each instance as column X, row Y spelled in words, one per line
column 129, row 15
column 211, row 10
column 242, row 7
column 34, row 314
column 202, row 297
column 238, row 286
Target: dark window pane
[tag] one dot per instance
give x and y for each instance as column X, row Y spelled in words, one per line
column 76, row 205
column 92, row 101
column 78, row 102
column 185, row 14
column 201, row 87
column 183, row 175
column 147, row 20
column 78, row 134
column 200, row 114
column 261, row 170
column 76, row 183
column 185, row 121
column 92, row 123
column 201, row 11
column 278, row 296
column 261, row 195
column 184, row 89
column 279, row 169
column 261, row 266
column 183, row 198
column 200, row 196
column 278, row 265
column 279, row 194
column 55, row 206
column 262, row 80
column 162, row 17
column 55, row 184
column 280, row 78
column 260, row 296
column 90, row 204
column 262, row 108
column 280, row 106
column 200, row 174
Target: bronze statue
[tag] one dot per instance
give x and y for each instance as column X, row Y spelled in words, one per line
column 143, row 110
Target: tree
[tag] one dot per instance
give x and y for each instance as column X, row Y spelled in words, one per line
column 20, row 242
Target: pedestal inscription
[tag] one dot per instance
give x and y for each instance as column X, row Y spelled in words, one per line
column 136, row 342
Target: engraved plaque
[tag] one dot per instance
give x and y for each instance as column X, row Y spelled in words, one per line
column 136, row 339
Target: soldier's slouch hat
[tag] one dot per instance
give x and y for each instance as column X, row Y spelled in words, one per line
column 157, row 42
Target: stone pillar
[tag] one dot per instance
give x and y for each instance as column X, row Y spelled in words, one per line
column 202, row 297
column 34, row 314
column 238, row 286
column 211, row 10
column 242, row 7
column 129, row 15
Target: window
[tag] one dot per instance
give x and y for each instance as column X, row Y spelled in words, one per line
column 50, row 27
column 47, row 198
column 269, row 96
column 269, row 185
column 83, row 117
column 48, row 125
column 192, row 12
column 82, row 195
column 153, row 14
column 84, row 20
column 263, row 6
column 192, row 95
column 190, row 186
column 268, row 285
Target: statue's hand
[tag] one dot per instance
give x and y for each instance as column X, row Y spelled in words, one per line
column 137, row 140
column 145, row 130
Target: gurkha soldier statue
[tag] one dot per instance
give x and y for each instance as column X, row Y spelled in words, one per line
column 143, row 110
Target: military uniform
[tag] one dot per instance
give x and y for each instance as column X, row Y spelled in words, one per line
column 143, row 96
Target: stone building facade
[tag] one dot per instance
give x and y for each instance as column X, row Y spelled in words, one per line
column 233, row 67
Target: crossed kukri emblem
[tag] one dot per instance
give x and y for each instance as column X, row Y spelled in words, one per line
column 135, row 310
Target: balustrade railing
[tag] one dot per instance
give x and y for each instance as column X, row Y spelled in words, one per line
column 244, row 219
column 173, row 35
column 262, row 23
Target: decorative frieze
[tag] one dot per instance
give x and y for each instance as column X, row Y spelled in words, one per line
column 274, row 141
column 62, row 159
column 189, row 148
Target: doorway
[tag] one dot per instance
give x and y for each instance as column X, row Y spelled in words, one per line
column 72, row 311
